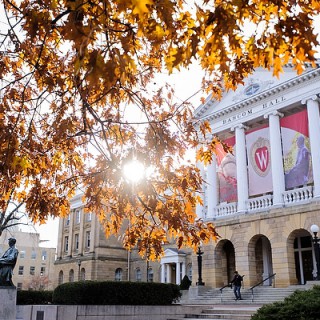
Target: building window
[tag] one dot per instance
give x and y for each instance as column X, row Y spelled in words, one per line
column 32, row 270
column 71, row 275
column 76, row 242
column 19, row 286
column 77, row 221
column 138, row 275
column 150, row 275
column 20, row 272
column 60, row 278
column 66, row 243
column 88, row 239
column 22, row 254
column 118, row 275
column 83, row 274
column 42, row 271
column 68, row 220
column 88, row 217
column 33, row 255
column 44, row 255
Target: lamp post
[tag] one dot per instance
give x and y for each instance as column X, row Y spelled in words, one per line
column 133, row 171
column 79, row 266
column 315, row 229
column 199, row 258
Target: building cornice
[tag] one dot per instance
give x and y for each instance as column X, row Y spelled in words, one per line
column 310, row 75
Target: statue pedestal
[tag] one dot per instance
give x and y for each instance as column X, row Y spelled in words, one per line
column 8, row 298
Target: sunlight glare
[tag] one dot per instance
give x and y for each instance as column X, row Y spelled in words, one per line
column 134, row 171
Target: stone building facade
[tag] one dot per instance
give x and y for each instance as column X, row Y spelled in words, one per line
column 264, row 197
column 84, row 253
column 34, row 269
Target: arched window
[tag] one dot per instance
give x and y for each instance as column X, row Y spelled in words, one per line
column 60, row 278
column 138, row 275
column 71, row 275
column 189, row 271
column 118, row 274
column 83, row 274
column 150, row 275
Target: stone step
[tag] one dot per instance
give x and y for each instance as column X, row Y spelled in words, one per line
column 223, row 313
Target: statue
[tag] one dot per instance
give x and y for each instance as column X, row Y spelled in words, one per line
column 7, row 263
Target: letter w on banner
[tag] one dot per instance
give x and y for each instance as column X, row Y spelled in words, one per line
column 259, row 163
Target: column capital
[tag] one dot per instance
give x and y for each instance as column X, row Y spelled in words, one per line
column 313, row 98
column 273, row 113
column 239, row 126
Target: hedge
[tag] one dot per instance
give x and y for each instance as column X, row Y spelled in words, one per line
column 34, row 297
column 301, row 305
column 116, row 293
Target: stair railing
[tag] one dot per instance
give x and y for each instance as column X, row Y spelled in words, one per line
column 261, row 282
column 229, row 285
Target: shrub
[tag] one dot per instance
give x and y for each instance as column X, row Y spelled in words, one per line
column 301, row 305
column 34, row 297
column 185, row 283
column 116, row 293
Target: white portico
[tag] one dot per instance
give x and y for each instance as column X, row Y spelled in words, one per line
column 173, row 266
column 264, row 197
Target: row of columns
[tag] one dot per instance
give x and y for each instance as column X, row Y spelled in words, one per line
column 166, row 272
column 278, row 178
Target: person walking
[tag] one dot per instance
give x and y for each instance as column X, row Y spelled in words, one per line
column 237, row 282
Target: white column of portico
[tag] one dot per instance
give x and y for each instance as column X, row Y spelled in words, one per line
column 212, row 190
column 278, row 180
column 168, row 266
column 242, row 172
column 314, row 135
column 199, row 207
column 178, row 280
column 163, row 273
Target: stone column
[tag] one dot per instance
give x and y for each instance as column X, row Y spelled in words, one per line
column 163, row 273
column 212, row 190
column 278, row 181
column 70, row 244
column 178, row 280
column 242, row 168
column 314, row 135
column 81, row 232
column 183, row 266
column 62, row 221
column 199, row 207
column 168, row 266
column 93, row 232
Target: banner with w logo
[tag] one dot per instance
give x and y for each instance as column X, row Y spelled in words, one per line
column 259, row 163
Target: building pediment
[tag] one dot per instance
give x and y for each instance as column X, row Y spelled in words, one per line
column 260, row 93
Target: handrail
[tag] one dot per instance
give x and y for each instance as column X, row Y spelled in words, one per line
column 258, row 284
column 227, row 285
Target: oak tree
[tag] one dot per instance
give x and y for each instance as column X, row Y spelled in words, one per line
column 75, row 72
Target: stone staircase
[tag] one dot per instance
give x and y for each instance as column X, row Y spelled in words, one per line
column 223, row 306
column 226, row 312
column 261, row 295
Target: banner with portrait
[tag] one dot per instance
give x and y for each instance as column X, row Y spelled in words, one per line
column 227, row 173
column 259, row 161
column 296, row 150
